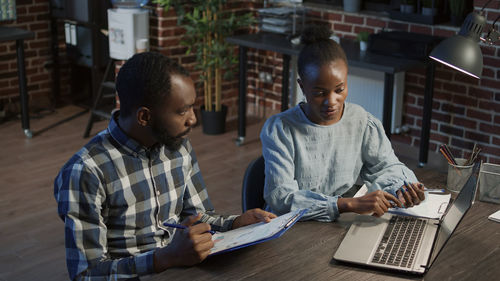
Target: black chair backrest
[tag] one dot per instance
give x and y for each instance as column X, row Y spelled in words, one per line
column 252, row 195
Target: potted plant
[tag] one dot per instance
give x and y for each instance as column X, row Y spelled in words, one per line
column 457, row 9
column 407, row 6
column 362, row 38
column 207, row 23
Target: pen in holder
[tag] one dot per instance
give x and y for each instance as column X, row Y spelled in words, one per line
column 458, row 174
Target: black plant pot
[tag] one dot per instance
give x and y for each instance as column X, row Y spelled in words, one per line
column 213, row 122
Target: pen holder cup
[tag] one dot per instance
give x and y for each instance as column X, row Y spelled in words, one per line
column 458, row 175
column 489, row 183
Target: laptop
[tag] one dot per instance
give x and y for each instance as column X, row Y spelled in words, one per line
column 404, row 243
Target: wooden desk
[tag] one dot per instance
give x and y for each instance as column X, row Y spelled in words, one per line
column 305, row 253
column 387, row 64
column 17, row 34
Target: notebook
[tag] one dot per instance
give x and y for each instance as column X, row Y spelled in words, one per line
column 404, row 243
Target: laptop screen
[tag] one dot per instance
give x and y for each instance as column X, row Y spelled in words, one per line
column 455, row 213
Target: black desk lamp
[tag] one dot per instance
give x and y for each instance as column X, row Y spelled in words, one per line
column 462, row 52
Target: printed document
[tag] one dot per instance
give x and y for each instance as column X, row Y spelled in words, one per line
column 254, row 233
column 432, row 207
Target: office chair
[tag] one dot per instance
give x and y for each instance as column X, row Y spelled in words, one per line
column 252, row 195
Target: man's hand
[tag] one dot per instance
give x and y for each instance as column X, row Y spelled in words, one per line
column 377, row 202
column 188, row 246
column 253, row 216
column 411, row 194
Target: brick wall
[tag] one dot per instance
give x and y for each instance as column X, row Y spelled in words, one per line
column 465, row 110
column 31, row 15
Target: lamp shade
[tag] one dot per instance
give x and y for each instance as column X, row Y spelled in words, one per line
column 462, row 51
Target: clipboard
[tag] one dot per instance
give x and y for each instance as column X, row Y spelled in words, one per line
column 254, row 234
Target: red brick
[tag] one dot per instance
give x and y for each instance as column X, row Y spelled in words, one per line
column 451, row 130
column 492, row 15
column 413, row 110
column 24, row 2
column 354, row 19
column 398, row 26
column 408, row 120
column 487, row 128
column 39, row 9
column 358, row 29
column 477, row 137
column 464, row 100
column 440, row 95
column 480, row 93
column 493, row 160
column 495, row 150
column 168, row 23
column 490, row 83
column 25, row 18
column 342, row 27
column 411, row 78
column 5, row 75
column 463, row 78
column 375, row 22
column 461, row 143
column 420, row 29
column 332, row 16
column 488, row 105
column 401, row 139
column 487, row 50
column 464, row 122
column 454, row 88
column 496, row 141
column 440, row 138
column 39, row 26
column 490, row 61
column 479, row 115
column 444, row 75
column 415, row 90
column 39, row 77
column 313, row 14
column 444, row 32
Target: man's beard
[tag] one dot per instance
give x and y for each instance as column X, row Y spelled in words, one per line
column 171, row 142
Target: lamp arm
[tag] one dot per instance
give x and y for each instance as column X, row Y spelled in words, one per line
column 485, row 5
column 493, row 35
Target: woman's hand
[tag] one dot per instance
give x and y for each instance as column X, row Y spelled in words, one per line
column 411, row 194
column 253, row 216
column 376, row 203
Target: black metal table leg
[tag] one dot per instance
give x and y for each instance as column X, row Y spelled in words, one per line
column 23, row 89
column 387, row 111
column 285, row 76
column 427, row 114
column 242, row 96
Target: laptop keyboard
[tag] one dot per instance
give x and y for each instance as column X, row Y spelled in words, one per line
column 400, row 241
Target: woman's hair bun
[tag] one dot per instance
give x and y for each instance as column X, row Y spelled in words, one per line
column 314, row 34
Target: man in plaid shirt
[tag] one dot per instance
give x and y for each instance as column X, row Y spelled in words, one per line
column 116, row 192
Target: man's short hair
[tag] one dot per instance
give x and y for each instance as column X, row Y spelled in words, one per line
column 144, row 80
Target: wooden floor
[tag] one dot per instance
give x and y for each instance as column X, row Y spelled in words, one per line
column 31, row 233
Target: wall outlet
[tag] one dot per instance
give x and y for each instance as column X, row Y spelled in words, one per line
column 265, row 77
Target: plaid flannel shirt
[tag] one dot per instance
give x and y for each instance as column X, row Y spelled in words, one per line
column 114, row 195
